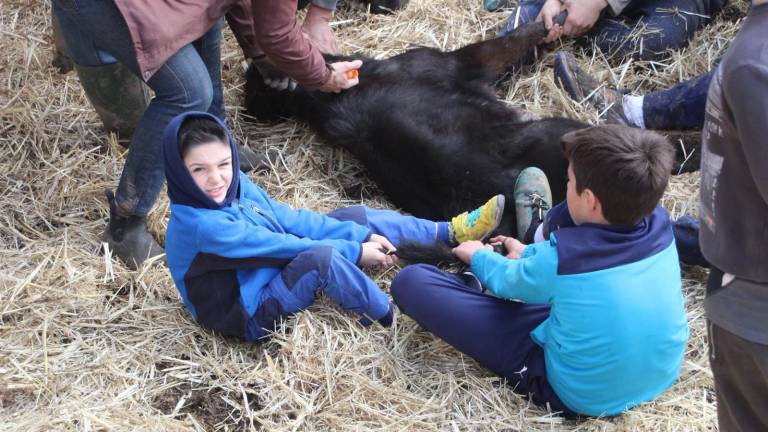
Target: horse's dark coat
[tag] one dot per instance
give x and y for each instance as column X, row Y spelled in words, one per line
column 428, row 127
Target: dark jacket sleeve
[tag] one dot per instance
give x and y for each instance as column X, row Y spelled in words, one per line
column 278, row 34
column 240, row 20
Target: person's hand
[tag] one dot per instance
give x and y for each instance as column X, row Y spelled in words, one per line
column 373, row 256
column 582, row 15
column 338, row 80
column 549, row 11
column 317, row 28
column 513, row 246
column 465, row 250
column 384, row 242
column 273, row 76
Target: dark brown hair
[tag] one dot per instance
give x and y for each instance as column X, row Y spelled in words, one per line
column 199, row 130
column 626, row 168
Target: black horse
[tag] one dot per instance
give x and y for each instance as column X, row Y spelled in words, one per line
column 428, row 127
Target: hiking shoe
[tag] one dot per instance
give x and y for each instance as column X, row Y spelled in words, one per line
column 494, row 5
column 477, row 224
column 581, row 87
column 128, row 237
column 533, row 199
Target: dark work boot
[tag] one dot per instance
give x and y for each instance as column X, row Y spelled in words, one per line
column 117, row 95
column 128, row 237
column 250, row 160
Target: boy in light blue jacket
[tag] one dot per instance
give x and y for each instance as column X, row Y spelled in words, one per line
column 599, row 324
column 242, row 261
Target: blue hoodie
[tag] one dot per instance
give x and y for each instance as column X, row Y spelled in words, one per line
column 616, row 333
column 221, row 256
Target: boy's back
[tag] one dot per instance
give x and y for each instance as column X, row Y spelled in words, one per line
column 617, row 328
column 616, row 331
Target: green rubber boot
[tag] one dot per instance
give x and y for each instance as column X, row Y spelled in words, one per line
column 117, row 95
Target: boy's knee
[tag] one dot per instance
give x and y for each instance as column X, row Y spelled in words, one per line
column 408, row 279
column 317, row 259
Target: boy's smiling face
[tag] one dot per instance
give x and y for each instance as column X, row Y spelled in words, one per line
column 210, row 165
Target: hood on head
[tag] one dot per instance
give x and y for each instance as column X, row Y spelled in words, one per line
column 181, row 187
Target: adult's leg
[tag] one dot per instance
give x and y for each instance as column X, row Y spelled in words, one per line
column 679, row 107
column 493, row 331
column 118, row 96
column 654, row 27
column 320, row 269
column 740, row 370
column 182, row 84
column 208, row 47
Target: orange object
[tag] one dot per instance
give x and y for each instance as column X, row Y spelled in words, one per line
column 351, row 74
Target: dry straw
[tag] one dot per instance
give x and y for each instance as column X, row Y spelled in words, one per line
column 86, row 344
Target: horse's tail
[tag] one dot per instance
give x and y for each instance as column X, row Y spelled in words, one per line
column 436, row 253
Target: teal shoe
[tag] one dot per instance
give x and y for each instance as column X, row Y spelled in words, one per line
column 494, row 5
column 533, row 199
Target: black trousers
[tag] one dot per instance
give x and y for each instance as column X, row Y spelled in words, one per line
column 740, row 368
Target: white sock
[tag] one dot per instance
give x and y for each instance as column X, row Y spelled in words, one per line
column 633, row 110
column 539, row 234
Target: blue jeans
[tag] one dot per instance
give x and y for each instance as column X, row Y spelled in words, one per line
column 323, row 269
column 493, row 331
column 679, row 107
column 190, row 80
column 668, row 24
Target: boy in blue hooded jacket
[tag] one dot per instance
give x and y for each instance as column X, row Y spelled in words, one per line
column 241, row 260
column 601, row 326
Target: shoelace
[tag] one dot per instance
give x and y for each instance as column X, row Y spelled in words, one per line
column 538, row 204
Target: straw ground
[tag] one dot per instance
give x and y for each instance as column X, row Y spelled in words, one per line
column 86, row 344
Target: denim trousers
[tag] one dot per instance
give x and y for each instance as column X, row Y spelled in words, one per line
column 190, row 80
column 679, row 107
column 661, row 24
column 323, row 269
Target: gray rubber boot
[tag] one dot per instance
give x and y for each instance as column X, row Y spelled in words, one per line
column 117, row 95
column 61, row 58
column 128, row 237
